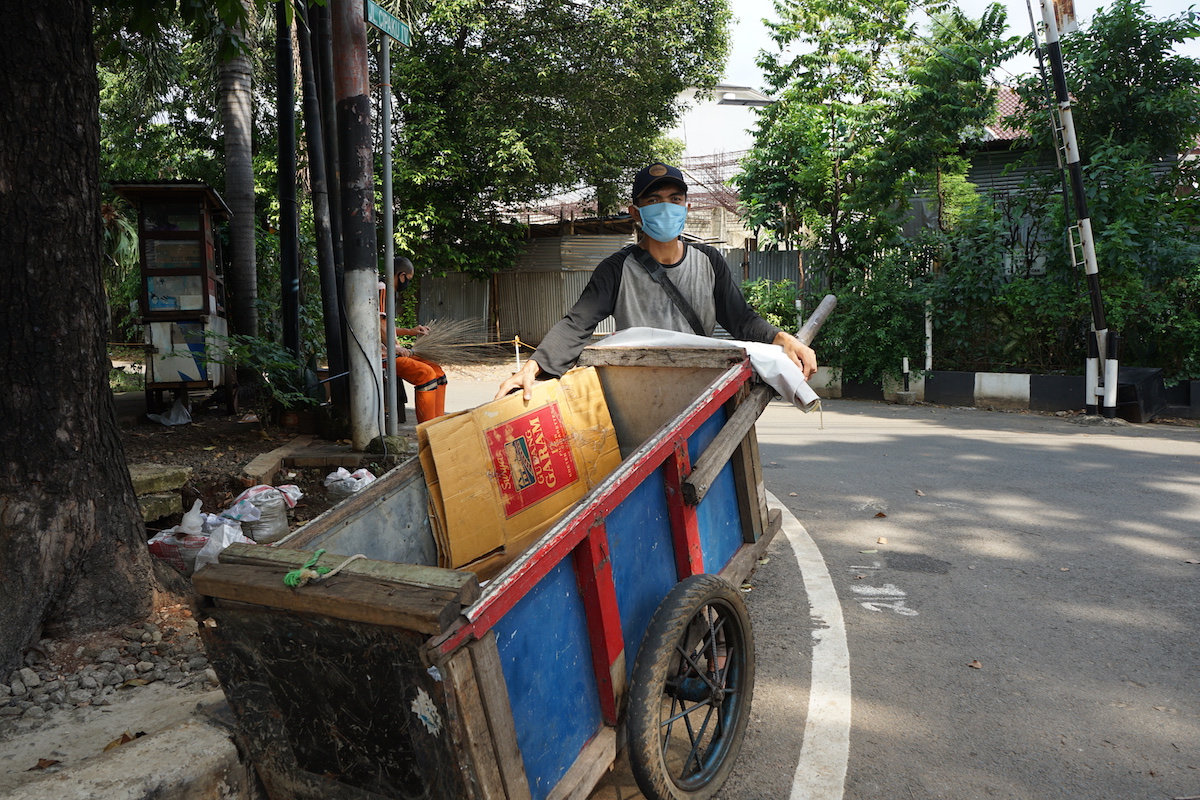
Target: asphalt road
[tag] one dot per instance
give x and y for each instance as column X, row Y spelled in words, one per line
column 1014, row 615
column 1020, row 614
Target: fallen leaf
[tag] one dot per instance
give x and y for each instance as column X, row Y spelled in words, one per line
column 881, row 540
column 765, row 560
column 745, row 587
column 880, row 514
column 125, row 738
column 868, row 551
column 1191, row 561
column 43, row 763
column 792, row 494
column 920, row 493
column 133, row 682
column 975, row 664
column 211, row 448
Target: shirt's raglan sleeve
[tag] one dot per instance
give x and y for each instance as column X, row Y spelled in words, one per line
column 733, row 312
column 562, row 344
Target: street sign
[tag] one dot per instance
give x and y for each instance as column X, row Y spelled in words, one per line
column 387, row 23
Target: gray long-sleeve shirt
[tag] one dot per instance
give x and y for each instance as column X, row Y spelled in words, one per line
column 620, row 286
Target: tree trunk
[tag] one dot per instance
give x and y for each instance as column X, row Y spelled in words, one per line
column 237, row 117
column 72, row 543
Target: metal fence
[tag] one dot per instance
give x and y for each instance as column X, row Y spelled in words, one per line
column 552, row 273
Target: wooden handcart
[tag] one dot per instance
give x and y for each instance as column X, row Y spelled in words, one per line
column 622, row 624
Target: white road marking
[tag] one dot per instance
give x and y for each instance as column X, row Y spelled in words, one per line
column 821, row 771
column 888, row 596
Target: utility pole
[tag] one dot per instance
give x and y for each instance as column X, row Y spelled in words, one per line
column 352, row 89
column 1103, row 344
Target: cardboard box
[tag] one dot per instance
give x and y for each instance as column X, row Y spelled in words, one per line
column 501, row 474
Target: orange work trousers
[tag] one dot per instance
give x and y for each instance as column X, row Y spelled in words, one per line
column 429, row 386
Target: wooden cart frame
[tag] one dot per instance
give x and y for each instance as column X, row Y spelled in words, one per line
column 403, row 680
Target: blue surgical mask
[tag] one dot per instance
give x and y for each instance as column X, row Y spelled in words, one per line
column 663, row 222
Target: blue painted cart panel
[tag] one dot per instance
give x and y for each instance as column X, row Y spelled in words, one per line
column 720, row 522
column 643, row 558
column 546, row 659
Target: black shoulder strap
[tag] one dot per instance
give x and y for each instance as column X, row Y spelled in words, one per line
column 660, row 277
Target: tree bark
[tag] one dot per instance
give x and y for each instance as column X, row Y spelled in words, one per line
column 237, row 117
column 72, row 543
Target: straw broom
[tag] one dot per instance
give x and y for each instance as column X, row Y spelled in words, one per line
column 458, row 342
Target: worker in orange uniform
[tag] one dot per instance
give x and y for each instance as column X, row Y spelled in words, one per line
column 427, row 378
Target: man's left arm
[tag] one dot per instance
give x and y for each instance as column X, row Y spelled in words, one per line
column 737, row 317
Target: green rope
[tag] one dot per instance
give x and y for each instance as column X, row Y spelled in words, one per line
column 299, row 577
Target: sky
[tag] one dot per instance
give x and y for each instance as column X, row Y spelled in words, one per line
column 711, row 128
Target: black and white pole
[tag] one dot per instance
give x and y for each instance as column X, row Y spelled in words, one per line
column 1103, row 345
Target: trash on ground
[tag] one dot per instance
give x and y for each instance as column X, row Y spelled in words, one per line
column 177, row 415
column 343, row 483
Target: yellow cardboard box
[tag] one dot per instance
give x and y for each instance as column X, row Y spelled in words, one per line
column 501, row 474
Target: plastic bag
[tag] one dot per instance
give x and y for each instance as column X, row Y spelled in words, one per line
column 178, row 415
column 273, row 503
column 224, row 534
column 178, row 548
column 343, row 483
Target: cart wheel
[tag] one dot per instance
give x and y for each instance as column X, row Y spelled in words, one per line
column 692, row 685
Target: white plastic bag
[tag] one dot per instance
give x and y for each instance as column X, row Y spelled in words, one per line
column 177, row 415
column 343, row 483
column 224, row 534
column 178, row 548
column 273, row 503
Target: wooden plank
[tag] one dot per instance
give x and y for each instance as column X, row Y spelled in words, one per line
column 748, row 484
column 475, row 734
column 685, row 525
column 746, row 558
column 593, row 572
column 661, row 356
column 593, row 761
column 356, row 598
column 714, row 457
column 493, row 691
column 464, row 585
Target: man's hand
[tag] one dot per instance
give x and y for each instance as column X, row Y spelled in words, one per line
column 522, row 379
column 803, row 355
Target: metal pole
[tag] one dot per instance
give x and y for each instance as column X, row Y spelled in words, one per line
column 385, row 79
column 1100, row 384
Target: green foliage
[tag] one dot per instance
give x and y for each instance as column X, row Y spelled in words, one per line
column 283, row 385
column 775, row 301
column 1128, row 84
column 867, row 110
column 503, row 104
column 879, row 318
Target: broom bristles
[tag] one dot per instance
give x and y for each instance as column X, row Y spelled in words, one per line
column 458, row 342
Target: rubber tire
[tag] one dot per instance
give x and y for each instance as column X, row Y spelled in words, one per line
column 678, row 621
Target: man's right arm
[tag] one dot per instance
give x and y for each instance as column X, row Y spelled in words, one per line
column 560, row 347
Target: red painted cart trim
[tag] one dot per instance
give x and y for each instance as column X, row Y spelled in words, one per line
column 685, row 526
column 593, row 570
column 507, row 589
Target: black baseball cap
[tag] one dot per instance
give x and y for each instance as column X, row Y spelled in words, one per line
column 655, row 174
